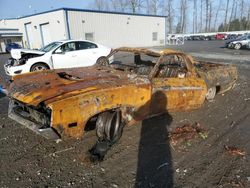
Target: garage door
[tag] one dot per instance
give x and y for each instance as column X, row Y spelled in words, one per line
column 29, row 35
column 45, row 34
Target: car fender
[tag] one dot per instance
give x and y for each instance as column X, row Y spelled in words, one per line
column 44, row 59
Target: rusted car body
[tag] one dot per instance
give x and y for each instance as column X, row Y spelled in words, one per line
column 62, row 103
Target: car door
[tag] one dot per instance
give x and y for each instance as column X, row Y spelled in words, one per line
column 175, row 88
column 65, row 56
column 88, row 53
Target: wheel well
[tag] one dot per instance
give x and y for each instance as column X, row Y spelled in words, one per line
column 39, row 63
column 218, row 88
column 91, row 123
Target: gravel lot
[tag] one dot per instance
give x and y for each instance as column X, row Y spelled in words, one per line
column 144, row 156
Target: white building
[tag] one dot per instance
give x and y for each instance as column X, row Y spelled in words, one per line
column 109, row 28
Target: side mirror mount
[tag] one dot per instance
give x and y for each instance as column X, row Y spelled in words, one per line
column 58, row 51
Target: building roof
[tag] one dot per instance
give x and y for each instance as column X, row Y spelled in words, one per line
column 10, row 32
column 88, row 10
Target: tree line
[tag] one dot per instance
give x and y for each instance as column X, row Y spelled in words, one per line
column 188, row 16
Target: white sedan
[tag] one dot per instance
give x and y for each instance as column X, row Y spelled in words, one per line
column 56, row 55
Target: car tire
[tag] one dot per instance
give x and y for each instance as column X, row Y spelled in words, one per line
column 211, row 92
column 237, row 46
column 102, row 61
column 39, row 67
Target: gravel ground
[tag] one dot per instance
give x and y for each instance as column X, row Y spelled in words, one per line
column 144, row 157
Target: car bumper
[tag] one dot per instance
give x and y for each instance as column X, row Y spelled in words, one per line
column 48, row 133
column 15, row 70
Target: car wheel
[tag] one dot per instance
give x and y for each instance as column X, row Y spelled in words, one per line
column 211, row 92
column 237, row 46
column 103, row 61
column 109, row 126
column 39, row 67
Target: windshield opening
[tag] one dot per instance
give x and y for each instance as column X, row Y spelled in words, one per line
column 133, row 62
column 50, row 46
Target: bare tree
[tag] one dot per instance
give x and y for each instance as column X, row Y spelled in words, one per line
column 241, row 9
column 135, row 5
column 170, row 15
column 231, row 15
column 100, row 5
column 183, row 16
column 195, row 16
column 248, row 19
column 119, row 5
column 216, row 14
column 235, row 10
column 207, row 14
column 226, row 12
column 210, row 15
column 201, row 15
column 153, row 6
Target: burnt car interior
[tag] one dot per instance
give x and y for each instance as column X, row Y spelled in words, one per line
column 170, row 66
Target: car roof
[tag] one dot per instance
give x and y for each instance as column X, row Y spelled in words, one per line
column 148, row 51
column 73, row 40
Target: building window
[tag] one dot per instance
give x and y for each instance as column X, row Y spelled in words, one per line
column 155, row 36
column 89, row 36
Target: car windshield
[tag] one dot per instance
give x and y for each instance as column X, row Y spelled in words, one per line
column 50, row 46
column 133, row 58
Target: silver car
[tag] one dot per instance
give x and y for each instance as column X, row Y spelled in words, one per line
column 240, row 42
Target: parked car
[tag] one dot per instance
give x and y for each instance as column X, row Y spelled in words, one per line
column 231, row 37
column 210, row 37
column 56, row 55
column 239, row 42
column 11, row 46
column 248, row 45
column 220, row 36
column 137, row 84
column 197, row 37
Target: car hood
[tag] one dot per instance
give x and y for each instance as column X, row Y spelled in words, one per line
column 34, row 88
column 17, row 53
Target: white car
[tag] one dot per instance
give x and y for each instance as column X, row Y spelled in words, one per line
column 56, row 55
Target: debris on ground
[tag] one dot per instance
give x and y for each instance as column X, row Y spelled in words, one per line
column 162, row 165
column 187, row 132
column 61, row 151
column 234, row 151
column 237, row 183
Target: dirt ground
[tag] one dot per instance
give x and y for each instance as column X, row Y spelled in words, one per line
column 144, row 157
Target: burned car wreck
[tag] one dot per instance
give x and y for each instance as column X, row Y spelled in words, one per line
column 129, row 85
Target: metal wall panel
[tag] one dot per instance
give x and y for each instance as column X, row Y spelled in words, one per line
column 45, row 33
column 56, row 20
column 116, row 30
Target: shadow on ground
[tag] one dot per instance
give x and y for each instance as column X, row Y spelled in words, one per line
column 154, row 168
column 2, row 95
